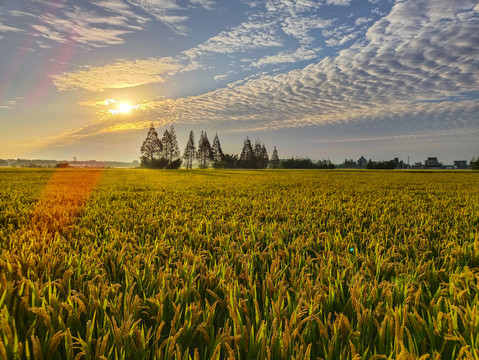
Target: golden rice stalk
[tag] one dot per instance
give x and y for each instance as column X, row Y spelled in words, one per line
column 3, row 351
column 54, row 342
column 36, row 348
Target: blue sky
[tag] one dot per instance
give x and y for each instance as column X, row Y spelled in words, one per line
column 320, row 78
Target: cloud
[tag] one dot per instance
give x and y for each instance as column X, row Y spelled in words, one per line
column 339, row 2
column 97, row 102
column 292, row 7
column 125, row 10
column 413, row 69
column 11, row 104
column 296, row 18
column 207, row 4
column 6, row 28
column 91, row 28
column 362, row 20
column 119, row 75
column 220, row 77
column 288, row 56
column 416, row 58
column 300, row 27
column 264, row 30
column 166, row 11
column 340, row 40
column 170, row 12
column 249, row 35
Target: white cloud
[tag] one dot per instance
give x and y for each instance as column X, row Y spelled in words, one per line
column 288, row 56
column 220, row 77
column 412, row 57
column 11, row 104
column 207, row 4
column 409, row 66
column 121, row 8
column 300, row 27
column 362, row 20
column 246, row 36
column 6, row 28
column 87, row 27
column 339, row 2
column 166, row 11
column 119, row 75
column 292, row 7
column 337, row 41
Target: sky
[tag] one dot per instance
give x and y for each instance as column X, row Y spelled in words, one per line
column 325, row 79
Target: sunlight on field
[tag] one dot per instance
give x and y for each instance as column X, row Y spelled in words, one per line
column 63, row 198
column 151, row 264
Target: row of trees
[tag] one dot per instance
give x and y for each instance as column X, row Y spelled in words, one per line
column 160, row 154
column 306, row 163
column 164, row 153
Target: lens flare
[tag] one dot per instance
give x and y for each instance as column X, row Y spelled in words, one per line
column 124, row 108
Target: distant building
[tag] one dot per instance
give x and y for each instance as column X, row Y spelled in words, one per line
column 350, row 164
column 460, row 164
column 432, row 163
column 362, row 162
column 417, row 165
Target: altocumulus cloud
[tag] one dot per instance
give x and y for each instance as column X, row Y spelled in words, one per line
column 119, row 75
column 420, row 52
column 410, row 65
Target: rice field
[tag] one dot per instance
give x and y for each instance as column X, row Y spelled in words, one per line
column 203, row 264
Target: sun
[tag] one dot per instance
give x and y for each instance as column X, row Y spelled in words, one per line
column 124, row 108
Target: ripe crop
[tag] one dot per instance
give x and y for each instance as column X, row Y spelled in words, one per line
column 199, row 264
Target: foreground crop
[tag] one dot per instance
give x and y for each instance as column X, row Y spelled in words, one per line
column 249, row 264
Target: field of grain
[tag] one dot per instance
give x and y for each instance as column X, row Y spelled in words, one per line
column 145, row 264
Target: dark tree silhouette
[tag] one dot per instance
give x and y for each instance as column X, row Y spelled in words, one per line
column 230, row 161
column 257, row 152
column 151, row 149
column 274, row 163
column 190, row 151
column 204, row 153
column 169, row 142
column 218, row 155
column 247, row 155
column 263, row 159
column 474, row 164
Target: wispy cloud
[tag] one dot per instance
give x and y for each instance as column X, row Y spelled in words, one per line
column 166, row 11
column 97, row 102
column 252, row 34
column 288, row 56
column 6, row 28
column 207, row 4
column 170, row 12
column 339, row 2
column 119, row 75
column 11, row 104
column 67, row 22
column 263, row 30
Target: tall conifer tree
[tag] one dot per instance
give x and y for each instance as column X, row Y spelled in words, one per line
column 170, row 151
column 190, row 151
column 204, row 153
column 274, row 163
column 151, row 149
column 218, row 155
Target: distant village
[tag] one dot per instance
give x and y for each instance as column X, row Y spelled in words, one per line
column 89, row 164
column 431, row 163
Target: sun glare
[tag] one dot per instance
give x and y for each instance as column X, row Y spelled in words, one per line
column 124, row 108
